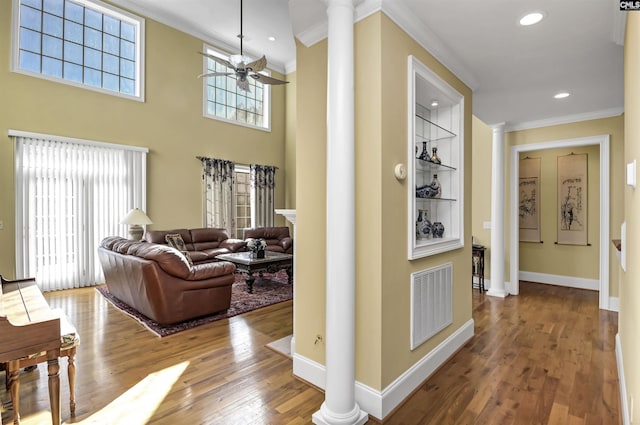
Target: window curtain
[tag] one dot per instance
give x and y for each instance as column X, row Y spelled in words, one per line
column 70, row 194
column 263, row 185
column 218, row 193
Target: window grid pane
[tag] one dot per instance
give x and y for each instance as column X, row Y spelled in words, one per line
column 225, row 100
column 63, row 39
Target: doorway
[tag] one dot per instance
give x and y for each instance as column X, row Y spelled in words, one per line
column 514, row 266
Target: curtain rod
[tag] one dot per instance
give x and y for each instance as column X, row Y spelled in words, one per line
column 235, row 163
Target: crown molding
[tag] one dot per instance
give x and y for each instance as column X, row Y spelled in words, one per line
column 567, row 119
column 407, row 21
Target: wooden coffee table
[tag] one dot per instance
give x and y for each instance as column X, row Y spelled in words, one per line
column 271, row 263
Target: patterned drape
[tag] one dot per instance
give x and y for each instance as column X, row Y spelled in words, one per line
column 218, row 193
column 263, row 185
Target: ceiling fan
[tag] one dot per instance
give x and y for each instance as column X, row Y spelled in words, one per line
column 243, row 67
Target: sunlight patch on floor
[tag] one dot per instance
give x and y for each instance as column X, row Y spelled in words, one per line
column 146, row 396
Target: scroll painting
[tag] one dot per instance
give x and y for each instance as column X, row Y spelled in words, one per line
column 529, row 202
column 572, row 199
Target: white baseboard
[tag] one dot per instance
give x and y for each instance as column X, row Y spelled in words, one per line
column 626, row 420
column 380, row 403
column 559, row 280
column 614, row 304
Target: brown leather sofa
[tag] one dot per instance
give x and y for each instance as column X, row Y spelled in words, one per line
column 277, row 238
column 158, row 281
column 203, row 244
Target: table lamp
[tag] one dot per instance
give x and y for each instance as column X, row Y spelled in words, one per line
column 135, row 218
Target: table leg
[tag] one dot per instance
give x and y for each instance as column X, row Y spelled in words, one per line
column 249, row 280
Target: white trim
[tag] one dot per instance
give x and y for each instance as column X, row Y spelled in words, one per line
column 614, row 304
column 603, row 142
column 624, row 404
column 106, row 9
column 566, row 119
column 377, row 403
column 559, row 280
column 18, row 133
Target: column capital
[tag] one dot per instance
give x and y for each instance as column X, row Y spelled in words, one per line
column 498, row 126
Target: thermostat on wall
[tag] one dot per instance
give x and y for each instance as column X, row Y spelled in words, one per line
column 631, row 174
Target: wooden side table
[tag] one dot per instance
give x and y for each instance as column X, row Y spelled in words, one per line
column 477, row 269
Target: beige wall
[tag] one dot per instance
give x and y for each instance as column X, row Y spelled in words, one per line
column 481, row 188
column 482, row 140
column 382, row 269
column 629, row 317
column 169, row 123
column 564, row 260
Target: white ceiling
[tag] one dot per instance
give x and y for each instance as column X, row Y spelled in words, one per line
column 513, row 70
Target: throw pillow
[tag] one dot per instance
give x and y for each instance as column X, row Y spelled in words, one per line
column 175, row 240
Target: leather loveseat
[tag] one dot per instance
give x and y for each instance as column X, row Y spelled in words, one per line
column 277, row 238
column 202, row 244
column 158, row 281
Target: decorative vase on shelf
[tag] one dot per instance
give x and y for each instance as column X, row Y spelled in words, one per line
column 434, row 158
column 423, row 225
column 437, row 229
column 424, row 155
column 436, row 188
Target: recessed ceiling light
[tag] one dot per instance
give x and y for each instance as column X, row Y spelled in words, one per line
column 271, row 38
column 562, row 95
column 531, row 18
column 434, row 103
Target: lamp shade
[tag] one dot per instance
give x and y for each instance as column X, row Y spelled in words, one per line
column 136, row 216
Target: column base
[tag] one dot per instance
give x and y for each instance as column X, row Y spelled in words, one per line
column 497, row 293
column 325, row 417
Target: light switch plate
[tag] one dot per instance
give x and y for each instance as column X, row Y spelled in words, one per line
column 631, row 174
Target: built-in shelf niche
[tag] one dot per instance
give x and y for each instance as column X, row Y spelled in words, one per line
column 436, row 120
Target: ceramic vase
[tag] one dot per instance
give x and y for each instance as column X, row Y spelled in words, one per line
column 436, row 188
column 424, row 155
column 437, row 229
column 434, row 158
column 423, row 225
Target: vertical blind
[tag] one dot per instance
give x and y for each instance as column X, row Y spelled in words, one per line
column 70, row 194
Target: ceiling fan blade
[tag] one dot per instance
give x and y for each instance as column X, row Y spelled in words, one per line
column 257, row 65
column 264, row 79
column 219, row 60
column 215, row 74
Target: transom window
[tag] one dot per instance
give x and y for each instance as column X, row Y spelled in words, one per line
column 225, row 101
column 80, row 42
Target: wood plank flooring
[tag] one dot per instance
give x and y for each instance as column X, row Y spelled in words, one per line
column 544, row 357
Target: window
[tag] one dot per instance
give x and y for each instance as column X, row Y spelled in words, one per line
column 224, row 101
column 243, row 199
column 83, row 43
column 71, row 194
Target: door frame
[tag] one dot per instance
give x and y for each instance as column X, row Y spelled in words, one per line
column 514, row 267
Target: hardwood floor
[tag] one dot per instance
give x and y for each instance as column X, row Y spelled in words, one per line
column 544, row 357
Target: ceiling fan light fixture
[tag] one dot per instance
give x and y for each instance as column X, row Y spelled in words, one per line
column 531, row 18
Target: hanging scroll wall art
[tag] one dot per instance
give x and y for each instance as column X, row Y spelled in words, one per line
column 529, row 203
column 572, row 199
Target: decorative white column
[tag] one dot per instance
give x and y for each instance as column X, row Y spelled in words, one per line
column 291, row 216
column 340, row 406
column 497, row 288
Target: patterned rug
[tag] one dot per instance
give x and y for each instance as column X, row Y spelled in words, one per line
column 271, row 289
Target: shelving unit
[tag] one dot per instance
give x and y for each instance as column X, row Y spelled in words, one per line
column 440, row 126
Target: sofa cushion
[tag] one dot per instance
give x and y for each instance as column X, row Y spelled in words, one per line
column 174, row 240
column 158, row 236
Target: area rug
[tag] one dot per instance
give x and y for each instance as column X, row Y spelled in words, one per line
column 268, row 290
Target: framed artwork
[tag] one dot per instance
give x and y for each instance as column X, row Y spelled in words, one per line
column 572, row 199
column 529, row 202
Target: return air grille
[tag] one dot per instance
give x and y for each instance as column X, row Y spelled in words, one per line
column 431, row 302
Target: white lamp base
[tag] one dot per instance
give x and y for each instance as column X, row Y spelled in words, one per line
column 135, row 232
